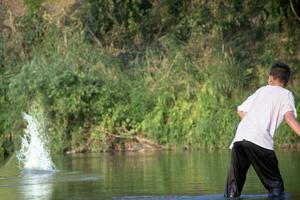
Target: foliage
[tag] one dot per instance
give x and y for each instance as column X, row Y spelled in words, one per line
column 171, row 71
column 33, row 5
column 131, row 23
column 31, row 26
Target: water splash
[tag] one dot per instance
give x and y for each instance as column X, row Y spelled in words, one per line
column 34, row 154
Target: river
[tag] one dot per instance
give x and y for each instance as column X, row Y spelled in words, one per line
column 150, row 175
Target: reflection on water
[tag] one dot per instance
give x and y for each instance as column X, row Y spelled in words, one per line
column 156, row 175
column 36, row 186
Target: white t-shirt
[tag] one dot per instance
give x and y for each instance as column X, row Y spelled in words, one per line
column 265, row 111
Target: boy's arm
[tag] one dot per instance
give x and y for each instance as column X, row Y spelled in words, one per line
column 241, row 114
column 292, row 122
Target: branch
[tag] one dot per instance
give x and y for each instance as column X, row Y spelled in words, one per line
column 294, row 11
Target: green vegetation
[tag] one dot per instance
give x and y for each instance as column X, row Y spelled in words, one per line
column 170, row 71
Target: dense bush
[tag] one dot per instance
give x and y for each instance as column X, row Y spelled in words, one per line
column 171, row 71
column 33, row 5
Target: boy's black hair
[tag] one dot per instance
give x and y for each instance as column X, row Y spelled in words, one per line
column 281, row 71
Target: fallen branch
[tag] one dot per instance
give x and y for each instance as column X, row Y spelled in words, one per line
column 140, row 140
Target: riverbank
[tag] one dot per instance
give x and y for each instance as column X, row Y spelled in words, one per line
column 142, row 145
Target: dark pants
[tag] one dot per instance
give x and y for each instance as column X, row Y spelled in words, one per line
column 264, row 162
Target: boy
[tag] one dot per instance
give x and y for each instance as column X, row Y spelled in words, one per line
column 260, row 116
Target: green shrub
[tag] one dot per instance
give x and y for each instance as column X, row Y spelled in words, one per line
column 33, row 5
column 172, row 71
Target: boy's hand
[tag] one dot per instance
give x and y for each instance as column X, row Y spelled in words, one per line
column 241, row 114
column 292, row 122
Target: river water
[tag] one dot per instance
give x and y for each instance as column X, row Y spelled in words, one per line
column 153, row 175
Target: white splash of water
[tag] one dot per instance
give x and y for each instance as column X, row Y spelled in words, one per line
column 34, row 154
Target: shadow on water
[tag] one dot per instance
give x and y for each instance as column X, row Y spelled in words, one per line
column 205, row 197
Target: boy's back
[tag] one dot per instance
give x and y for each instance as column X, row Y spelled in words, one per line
column 261, row 114
column 265, row 111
